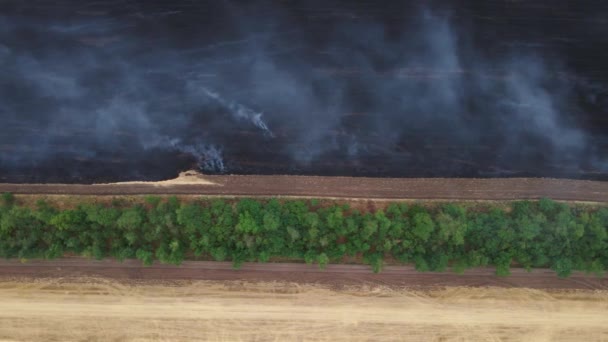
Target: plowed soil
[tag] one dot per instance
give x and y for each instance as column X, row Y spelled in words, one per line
column 335, row 276
column 346, row 187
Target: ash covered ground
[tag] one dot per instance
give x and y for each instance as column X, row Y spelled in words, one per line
column 140, row 90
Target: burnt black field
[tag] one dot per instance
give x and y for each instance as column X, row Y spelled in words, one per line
column 115, row 90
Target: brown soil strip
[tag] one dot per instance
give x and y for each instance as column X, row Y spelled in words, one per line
column 334, row 276
column 348, row 187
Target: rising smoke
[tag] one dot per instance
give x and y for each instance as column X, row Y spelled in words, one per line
column 233, row 85
column 240, row 112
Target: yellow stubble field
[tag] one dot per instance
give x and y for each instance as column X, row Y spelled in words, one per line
column 90, row 309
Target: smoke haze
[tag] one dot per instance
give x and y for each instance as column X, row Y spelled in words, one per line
column 125, row 89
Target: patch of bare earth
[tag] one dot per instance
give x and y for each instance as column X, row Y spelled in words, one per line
column 96, row 309
column 190, row 177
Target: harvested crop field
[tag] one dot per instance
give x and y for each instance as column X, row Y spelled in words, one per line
column 341, row 187
column 99, row 309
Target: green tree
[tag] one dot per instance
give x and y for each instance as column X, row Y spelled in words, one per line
column 423, row 226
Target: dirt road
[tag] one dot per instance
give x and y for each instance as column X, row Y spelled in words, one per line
column 348, row 187
column 334, row 276
column 93, row 309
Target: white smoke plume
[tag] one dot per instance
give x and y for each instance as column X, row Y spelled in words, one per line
column 241, row 112
column 208, row 156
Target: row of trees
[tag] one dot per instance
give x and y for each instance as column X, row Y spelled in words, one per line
column 529, row 234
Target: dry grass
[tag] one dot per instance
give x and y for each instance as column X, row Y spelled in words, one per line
column 99, row 309
column 190, row 177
